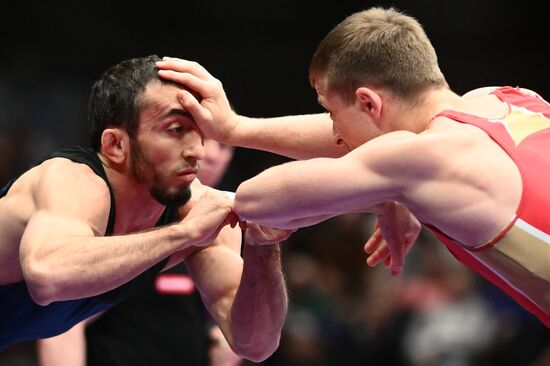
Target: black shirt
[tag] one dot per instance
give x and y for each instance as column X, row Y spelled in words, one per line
column 161, row 323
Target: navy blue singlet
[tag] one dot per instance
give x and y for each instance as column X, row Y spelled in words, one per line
column 22, row 319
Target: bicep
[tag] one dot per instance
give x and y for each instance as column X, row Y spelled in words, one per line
column 45, row 225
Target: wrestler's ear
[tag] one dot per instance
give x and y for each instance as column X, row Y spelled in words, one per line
column 369, row 101
column 115, row 144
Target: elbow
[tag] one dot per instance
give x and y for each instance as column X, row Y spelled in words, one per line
column 38, row 279
column 246, row 203
column 260, row 208
column 270, row 198
column 257, row 352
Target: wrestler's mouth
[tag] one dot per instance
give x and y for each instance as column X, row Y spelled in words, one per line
column 187, row 174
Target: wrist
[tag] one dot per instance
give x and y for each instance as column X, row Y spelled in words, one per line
column 235, row 123
column 262, row 250
column 183, row 234
column 381, row 208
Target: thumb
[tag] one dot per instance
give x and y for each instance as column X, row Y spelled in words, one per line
column 396, row 264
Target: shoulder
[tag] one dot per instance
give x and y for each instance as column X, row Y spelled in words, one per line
column 400, row 152
column 60, row 170
column 400, row 145
column 61, row 178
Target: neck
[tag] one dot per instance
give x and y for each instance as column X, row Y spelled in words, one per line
column 136, row 209
column 414, row 116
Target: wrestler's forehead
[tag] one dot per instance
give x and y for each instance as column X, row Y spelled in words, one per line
column 158, row 92
column 159, row 99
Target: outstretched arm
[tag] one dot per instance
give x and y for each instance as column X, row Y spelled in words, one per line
column 369, row 179
column 294, row 193
column 393, row 167
column 299, row 137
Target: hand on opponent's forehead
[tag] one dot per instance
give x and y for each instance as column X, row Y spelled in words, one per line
column 211, row 110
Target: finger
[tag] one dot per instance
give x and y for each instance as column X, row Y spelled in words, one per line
column 376, row 224
column 378, row 255
column 397, row 256
column 397, row 262
column 248, row 234
column 259, row 235
column 181, row 65
column 396, row 270
column 373, row 242
column 192, row 105
column 187, row 79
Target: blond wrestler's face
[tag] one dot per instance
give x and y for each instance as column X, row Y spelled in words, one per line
column 166, row 151
column 351, row 127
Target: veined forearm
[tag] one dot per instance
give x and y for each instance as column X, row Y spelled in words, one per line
column 278, row 197
column 79, row 267
column 297, row 137
column 310, row 190
column 260, row 306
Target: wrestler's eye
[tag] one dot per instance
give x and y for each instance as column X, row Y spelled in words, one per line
column 176, row 129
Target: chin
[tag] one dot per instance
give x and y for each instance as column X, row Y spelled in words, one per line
column 169, row 197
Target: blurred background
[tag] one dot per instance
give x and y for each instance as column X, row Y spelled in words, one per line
column 341, row 311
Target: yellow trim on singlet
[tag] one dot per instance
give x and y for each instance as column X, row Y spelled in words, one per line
column 521, row 122
column 522, row 260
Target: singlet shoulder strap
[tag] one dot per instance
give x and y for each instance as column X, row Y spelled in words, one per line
column 89, row 157
column 4, row 190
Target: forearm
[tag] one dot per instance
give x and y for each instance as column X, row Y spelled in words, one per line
column 76, row 267
column 311, row 189
column 297, row 137
column 260, row 306
column 284, row 197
